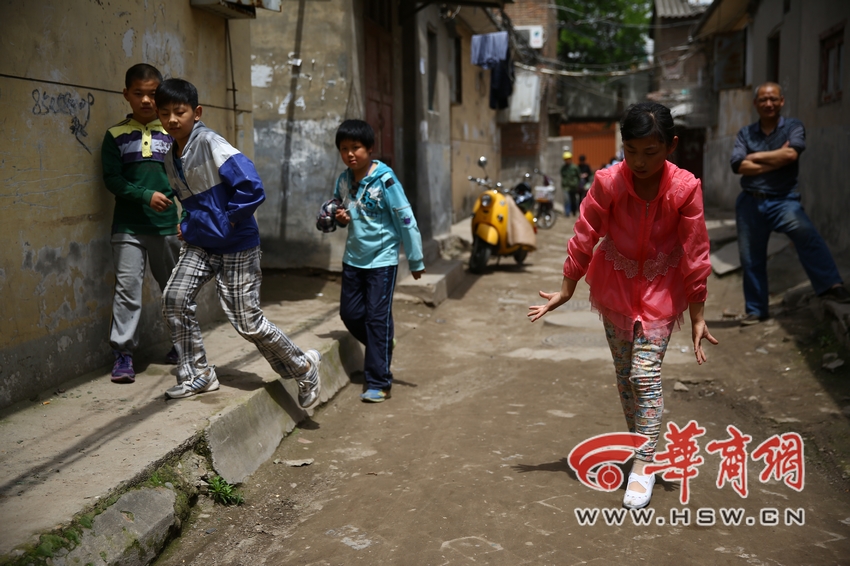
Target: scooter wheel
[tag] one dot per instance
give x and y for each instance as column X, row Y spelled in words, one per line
column 546, row 220
column 520, row 255
column 479, row 256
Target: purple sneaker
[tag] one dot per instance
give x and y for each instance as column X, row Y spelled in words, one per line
column 172, row 357
column 122, row 370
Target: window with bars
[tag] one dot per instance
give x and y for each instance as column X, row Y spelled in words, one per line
column 831, row 63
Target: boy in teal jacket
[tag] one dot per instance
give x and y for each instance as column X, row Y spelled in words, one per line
column 380, row 219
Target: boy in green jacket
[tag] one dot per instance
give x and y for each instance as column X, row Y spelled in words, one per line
column 144, row 224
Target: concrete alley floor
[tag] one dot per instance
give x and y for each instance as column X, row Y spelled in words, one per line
column 467, row 462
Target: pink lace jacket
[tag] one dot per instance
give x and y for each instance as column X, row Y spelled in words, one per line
column 654, row 256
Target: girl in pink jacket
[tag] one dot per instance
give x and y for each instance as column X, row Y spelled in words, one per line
column 651, row 265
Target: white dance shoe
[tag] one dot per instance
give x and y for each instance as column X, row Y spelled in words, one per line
column 634, row 499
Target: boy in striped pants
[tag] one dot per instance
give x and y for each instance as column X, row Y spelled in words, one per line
column 219, row 189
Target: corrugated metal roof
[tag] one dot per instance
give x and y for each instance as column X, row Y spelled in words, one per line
column 723, row 16
column 478, row 20
column 677, row 9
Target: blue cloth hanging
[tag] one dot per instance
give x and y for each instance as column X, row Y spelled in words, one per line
column 489, row 49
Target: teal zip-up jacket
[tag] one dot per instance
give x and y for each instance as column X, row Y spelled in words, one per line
column 381, row 220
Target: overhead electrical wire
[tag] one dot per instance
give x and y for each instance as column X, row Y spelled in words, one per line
column 593, row 20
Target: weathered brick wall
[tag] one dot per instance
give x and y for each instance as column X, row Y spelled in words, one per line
column 533, row 13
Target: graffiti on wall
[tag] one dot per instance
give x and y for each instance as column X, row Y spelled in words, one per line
column 78, row 108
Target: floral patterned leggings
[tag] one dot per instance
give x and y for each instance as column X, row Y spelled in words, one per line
column 638, row 367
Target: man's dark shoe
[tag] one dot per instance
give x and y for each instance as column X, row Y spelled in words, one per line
column 752, row 319
column 837, row 294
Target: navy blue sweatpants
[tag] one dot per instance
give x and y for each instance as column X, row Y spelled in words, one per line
column 366, row 309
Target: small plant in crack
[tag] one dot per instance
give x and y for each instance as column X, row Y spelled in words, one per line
column 224, row 493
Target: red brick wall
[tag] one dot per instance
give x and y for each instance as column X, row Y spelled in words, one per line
column 521, row 140
column 537, row 13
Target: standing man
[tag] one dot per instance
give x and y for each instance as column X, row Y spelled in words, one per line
column 766, row 156
column 571, row 184
column 586, row 174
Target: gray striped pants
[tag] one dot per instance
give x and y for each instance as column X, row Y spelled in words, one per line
column 238, row 278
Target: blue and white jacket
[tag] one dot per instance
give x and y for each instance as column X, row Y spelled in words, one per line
column 381, row 220
column 219, row 189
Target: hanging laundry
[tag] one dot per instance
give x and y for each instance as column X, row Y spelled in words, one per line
column 489, row 49
column 501, row 84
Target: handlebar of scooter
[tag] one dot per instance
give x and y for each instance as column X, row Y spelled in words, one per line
column 483, row 182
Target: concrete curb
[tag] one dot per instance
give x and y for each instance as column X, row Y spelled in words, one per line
column 836, row 315
column 246, row 435
column 130, row 526
column 436, row 284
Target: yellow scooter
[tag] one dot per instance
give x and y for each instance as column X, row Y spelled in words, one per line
column 502, row 223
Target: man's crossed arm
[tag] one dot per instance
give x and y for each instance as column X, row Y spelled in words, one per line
column 766, row 161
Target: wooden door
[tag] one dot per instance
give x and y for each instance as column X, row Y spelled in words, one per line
column 379, row 90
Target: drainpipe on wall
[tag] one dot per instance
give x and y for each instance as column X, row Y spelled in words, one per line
column 238, row 122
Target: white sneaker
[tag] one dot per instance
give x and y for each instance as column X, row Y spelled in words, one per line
column 206, row 381
column 309, row 384
column 634, row 499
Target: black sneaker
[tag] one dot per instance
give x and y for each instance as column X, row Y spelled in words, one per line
column 752, row 319
column 309, row 384
column 838, row 294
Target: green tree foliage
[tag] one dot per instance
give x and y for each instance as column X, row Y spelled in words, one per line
column 602, row 33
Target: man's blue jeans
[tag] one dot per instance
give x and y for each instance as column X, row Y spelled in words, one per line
column 756, row 218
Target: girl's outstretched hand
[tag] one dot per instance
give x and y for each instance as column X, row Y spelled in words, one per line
column 553, row 300
column 699, row 331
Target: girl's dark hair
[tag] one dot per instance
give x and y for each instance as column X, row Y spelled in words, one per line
column 648, row 119
column 176, row 90
column 141, row 72
column 356, row 130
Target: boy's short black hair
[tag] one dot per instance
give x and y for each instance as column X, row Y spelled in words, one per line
column 356, row 130
column 141, row 72
column 176, row 90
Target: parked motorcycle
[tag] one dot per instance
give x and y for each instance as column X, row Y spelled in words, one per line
column 502, row 222
column 541, row 199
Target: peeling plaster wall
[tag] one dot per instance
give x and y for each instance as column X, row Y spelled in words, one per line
column 434, row 153
column 297, row 110
column 823, row 177
column 720, row 185
column 64, row 64
column 823, row 181
column 474, row 132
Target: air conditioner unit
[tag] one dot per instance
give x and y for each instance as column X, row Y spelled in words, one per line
column 532, row 34
column 236, row 9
